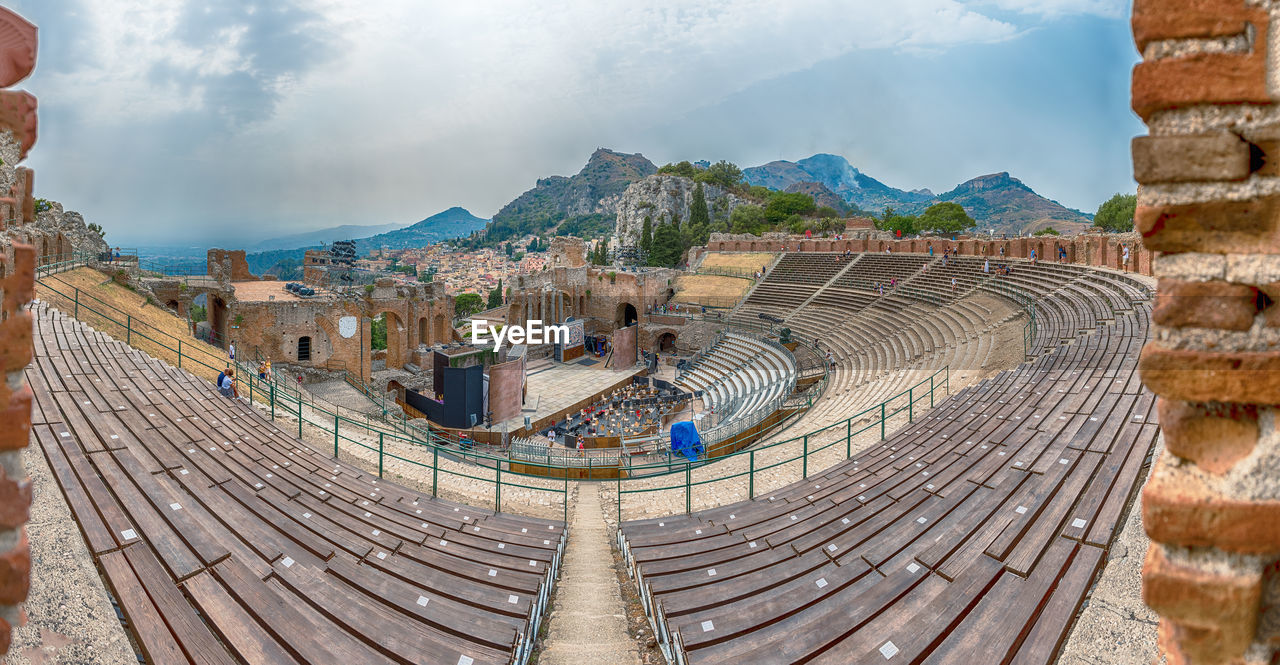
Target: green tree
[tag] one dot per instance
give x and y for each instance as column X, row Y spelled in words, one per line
column 495, row 296
column 97, row 228
column 1116, row 214
column 683, row 169
column 668, row 246
column 378, row 332
column 945, row 217
column 890, row 220
column 646, row 235
column 699, row 226
column 722, row 174
column 1047, row 231
column 748, row 219
column 782, row 205
column 467, row 304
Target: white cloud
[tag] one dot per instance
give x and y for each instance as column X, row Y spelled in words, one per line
column 398, row 108
column 1053, row 8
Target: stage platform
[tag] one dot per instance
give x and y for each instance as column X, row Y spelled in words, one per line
column 562, row 389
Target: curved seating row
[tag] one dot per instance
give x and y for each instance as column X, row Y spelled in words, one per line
column 738, row 376
column 971, row 535
column 223, row 539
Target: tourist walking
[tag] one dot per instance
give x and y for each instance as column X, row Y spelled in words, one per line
column 231, row 351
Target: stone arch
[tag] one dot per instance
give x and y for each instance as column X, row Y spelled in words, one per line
column 442, row 329
column 424, row 330
column 626, row 315
column 217, row 315
column 665, row 341
column 397, row 338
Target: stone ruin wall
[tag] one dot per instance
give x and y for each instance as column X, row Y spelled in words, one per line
column 1209, row 208
column 417, row 314
column 1102, row 250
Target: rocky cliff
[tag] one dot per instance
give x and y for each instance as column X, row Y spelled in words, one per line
column 595, row 190
column 664, row 198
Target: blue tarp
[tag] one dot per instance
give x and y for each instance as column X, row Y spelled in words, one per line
column 685, row 441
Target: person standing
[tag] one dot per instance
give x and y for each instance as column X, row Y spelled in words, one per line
column 231, row 351
column 1124, row 257
column 986, row 266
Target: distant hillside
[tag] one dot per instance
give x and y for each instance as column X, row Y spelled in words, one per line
column 455, row 222
column 822, row 196
column 999, row 202
column 1003, row 204
column 578, row 199
column 839, row 176
column 323, row 236
column 452, row 223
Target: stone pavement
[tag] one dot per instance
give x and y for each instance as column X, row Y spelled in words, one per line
column 588, row 623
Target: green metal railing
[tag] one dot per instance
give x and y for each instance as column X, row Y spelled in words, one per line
column 879, row 416
column 482, row 468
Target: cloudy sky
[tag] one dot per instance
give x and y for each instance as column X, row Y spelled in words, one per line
column 230, row 121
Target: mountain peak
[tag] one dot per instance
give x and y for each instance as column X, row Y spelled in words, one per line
column 989, row 181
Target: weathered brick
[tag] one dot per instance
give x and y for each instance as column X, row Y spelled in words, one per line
column 15, row 342
column 19, row 286
column 1220, row 610
column 1214, row 436
column 1212, row 156
column 15, row 500
column 15, row 566
column 1204, row 78
column 1191, row 19
column 15, row 419
column 1178, row 509
column 1217, row 227
column 1213, row 304
column 1248, row 377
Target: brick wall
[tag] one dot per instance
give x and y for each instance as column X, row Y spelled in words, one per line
column 1207, row 207
column 17, row 283
column 15, row 428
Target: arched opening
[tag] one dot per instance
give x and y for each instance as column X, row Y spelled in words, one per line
column 582, row 307
column 424, row 331
column 442, row 329
column 389, row 333
column 667, row 342
column 218, row 320
column 626, row 315
column 175, row 306
column 304, row 349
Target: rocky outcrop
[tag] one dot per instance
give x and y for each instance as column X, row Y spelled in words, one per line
column 664, row 198
column 596, row 190
column 52, row 230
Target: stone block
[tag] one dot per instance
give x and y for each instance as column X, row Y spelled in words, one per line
column 1211, row 156
column 1216, row 612
column 1217, row 227
column 1249, row 377
column 1204, row 78
column 1215, row 436
column 1155, row 20
column 1179, row 509
column 1212, row 304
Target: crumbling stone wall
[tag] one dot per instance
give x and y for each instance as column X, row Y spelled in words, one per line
column 596, row 294
column 17, row 287
column 1207, row 205
column 228, row 265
